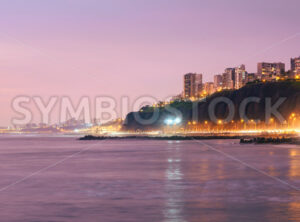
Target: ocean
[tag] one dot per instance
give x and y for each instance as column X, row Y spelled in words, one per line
column 45, row 178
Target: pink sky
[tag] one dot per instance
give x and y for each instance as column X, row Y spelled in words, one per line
column 132, row 47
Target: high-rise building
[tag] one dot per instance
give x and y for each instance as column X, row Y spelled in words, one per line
column 240, row 76
column 270, row 71
column 295, row 67
column 208, row 88
column 218, row 80
column 228, row 78
column 192, row 84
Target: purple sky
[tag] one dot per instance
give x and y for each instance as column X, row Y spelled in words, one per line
column 133, row 47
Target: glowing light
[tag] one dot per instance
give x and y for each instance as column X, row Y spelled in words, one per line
column 169, row 121
column 177, row 120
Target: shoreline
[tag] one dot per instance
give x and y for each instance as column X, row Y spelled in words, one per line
column 145, row 137
column 288, row 139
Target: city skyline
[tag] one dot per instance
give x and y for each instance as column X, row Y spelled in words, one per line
column 194, row 88
column 132, row 49
column 236, row 77
column 150, row 110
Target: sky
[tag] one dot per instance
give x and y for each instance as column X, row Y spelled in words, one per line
column 131, row 47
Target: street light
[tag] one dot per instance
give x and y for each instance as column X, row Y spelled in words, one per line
column 168, row 121
column 171, row 121
column 177, row 120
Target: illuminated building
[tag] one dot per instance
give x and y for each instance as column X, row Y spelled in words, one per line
column 228, row 78
column 270, row 71
column 234, row 78
column 295, row 67
column 192, row 84
column 240, row 76
column 251, row 77
column 218, row 80
column 208, row 88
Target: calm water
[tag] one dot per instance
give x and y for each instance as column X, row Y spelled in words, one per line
column 146, row 181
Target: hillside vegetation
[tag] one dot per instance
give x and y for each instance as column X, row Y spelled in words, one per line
column 273, row 90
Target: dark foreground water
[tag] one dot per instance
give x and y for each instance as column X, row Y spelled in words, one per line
column 63, row 179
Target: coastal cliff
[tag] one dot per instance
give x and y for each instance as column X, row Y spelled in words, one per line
column 289, row 90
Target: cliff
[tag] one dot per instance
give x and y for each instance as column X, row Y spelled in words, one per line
column 290, row 90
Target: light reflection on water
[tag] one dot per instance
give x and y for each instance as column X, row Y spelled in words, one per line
column 147, row 181
column 294, row 171
column 173, row 206
column 294, row 211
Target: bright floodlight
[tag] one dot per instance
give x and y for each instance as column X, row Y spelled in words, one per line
column 168, row 121
column 177, row 120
